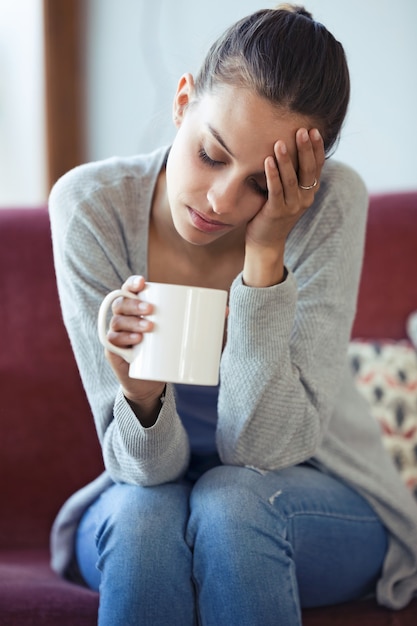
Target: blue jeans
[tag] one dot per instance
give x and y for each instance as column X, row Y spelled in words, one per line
column 239, row 547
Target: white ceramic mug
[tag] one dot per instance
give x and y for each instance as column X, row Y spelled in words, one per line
column 186, row 343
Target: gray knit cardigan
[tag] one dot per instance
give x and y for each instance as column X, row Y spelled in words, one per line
column 286, row 393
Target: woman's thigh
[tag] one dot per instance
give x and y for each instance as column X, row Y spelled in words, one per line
column 335, row 541
column 338, row 540
column 131, row 525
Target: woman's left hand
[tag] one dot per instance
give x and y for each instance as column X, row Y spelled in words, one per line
column 287, row 201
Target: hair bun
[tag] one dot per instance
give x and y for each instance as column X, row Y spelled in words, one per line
column 294, row 8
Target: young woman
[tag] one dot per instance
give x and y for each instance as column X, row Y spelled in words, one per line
column 241, row 504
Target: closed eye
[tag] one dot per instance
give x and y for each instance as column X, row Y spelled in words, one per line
column 208, row 160
column 205, row 158
column 258, row 189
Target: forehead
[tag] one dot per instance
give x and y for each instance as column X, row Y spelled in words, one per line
column 247, row 122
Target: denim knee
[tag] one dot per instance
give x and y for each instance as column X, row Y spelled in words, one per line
column 242, row 562
column 139, row 516
column 233, row 499
column 135, row 535
column 295, row 525
column 123, row 529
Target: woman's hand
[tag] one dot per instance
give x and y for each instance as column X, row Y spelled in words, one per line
column 287, row 201
column 127, row 327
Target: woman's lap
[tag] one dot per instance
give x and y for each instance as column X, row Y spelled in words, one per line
column 153, row 511
column 245, row 524
column 337, row 541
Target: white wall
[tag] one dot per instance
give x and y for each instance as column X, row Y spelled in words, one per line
column 138, row 49
column 22, row 123
column 380, row 40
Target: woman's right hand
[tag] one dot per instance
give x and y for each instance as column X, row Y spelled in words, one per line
column 127, row 327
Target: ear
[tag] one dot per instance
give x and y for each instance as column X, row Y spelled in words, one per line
column 183, row 97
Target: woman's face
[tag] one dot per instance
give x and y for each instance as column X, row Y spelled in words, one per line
column 215, row 171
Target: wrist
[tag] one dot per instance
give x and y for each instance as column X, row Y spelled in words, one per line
column 263, row 267
column 146, row 408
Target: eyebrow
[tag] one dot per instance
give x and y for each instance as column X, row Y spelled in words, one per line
column 220, row 139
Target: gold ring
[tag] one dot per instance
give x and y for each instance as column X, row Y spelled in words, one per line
column 308, row 187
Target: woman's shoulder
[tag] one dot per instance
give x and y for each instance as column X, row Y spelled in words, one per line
column 109, row 176
column 340, row 180
column 338, row 213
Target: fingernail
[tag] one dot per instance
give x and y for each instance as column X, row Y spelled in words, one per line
column 135, row 281
column 315, row 134
column 304, row 135
column 143, row 324
column 282, row 148
column 142, row 306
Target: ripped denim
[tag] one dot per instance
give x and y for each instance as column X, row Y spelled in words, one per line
column 237, row 547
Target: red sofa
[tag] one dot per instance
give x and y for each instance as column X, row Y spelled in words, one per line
column 49, row 445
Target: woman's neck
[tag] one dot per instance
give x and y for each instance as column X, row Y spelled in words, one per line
column 193, row 263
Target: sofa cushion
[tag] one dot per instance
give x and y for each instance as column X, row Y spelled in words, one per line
column 33, row 595
column 388, row 288
column 49, row 444
column 386, row 375
column 360, row 613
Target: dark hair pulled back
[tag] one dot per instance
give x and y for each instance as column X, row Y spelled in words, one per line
column 289, row 59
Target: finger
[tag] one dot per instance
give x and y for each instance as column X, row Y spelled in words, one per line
column 130, row 323
column 134, row 284
column 287, row 173
column 124, row 340
column 307, row 165
column 273, row 178
column 318, row 149
column 127, row 330
column 131, row 306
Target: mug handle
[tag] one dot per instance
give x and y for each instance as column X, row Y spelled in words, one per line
column 128, row 354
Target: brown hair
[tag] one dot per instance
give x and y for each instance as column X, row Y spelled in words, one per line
column 287, row 58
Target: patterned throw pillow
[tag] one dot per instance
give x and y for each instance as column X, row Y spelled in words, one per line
column 386, row 375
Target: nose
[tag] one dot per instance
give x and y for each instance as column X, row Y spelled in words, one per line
column 223, row 196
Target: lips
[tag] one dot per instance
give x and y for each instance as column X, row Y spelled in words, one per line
column 203, row 223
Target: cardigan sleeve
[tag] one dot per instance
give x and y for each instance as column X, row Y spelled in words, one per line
column 99, row 229
column 286, row 346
